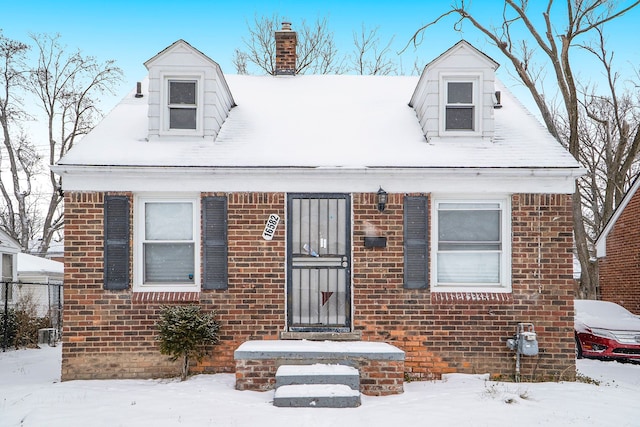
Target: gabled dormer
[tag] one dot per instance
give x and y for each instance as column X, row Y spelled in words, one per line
column 188, row 94
column 455, row 96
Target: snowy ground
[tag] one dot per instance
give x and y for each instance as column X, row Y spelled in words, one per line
column 31, row 395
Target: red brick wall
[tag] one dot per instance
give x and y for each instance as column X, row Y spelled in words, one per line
column 620, row 268
column 107, row 334
column 443, row 333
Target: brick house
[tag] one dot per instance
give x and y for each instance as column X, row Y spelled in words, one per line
column 618, row 252
column 431, row 213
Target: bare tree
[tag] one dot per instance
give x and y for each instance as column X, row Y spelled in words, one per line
column 239, row 61
column 16, row 190
column 609, row 135
column 66, row 85
column 519, row 38
column 316, row 50
column 370, row 57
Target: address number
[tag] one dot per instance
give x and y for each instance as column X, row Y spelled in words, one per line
column 270, row 227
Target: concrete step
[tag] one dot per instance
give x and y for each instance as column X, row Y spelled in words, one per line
column 318, row 373
column 316, row 396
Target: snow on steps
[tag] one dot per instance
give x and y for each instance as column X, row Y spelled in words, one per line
column 317, row 385
column 317, row 396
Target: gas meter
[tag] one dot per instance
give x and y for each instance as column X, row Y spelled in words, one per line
column 525, row 341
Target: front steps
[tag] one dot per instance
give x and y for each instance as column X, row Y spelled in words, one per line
column 317, row 386
column 380, row 365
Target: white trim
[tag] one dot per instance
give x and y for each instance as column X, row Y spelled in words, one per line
column 138, row 230
column 165, row 78
column 506, row 240
column 476, row 80
column 601, row 241
column 336, row 180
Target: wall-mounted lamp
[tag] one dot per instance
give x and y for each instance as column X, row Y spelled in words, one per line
column 382, row 199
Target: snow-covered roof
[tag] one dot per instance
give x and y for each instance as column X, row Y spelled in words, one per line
column 34, row 265
column 320, row 121
column 8, row 244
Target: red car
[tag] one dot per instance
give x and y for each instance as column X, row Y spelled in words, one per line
column 605, row 330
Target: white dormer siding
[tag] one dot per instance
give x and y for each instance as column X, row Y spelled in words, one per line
column 454, row 97
column 201, row 99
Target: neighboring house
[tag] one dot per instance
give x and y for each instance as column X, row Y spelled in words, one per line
column 40, row 280
column 30, row 277
column 618, row 252
column 430, row 213
column 9, row 249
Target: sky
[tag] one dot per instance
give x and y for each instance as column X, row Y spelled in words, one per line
column 131, row 31
column 31, row 395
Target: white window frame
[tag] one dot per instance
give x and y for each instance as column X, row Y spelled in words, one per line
column 166, row 78
column 139, row 240
column 504, row 284
column 476, row 80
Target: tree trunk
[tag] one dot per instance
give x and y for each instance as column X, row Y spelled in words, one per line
column 185, row 368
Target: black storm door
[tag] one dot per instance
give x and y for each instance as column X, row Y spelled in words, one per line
column 319, row 262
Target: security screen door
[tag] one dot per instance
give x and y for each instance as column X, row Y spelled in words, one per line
column 319, row 262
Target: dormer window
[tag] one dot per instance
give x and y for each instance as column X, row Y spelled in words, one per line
column 460, row 104
column 459, row 109
column 183, row 104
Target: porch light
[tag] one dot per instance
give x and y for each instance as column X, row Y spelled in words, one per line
column 382, row 199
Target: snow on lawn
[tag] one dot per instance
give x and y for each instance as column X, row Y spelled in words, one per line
column 32, row 395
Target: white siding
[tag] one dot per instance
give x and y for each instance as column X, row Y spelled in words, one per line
column 180, row 60
column 427, row 100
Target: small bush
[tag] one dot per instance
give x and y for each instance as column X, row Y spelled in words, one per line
column 8, row 327
column 184, row 331
column 28, row 322
column 22, row 324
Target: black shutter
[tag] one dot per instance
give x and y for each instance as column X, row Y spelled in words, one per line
column 116, row 242
column 416, row 242
column 214, row 239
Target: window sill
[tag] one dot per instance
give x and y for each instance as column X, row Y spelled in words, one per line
column 164, row 297
column 472, row 297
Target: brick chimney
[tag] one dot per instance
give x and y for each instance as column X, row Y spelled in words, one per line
column 286, row 41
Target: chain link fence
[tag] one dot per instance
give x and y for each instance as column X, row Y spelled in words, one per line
column 30, row 313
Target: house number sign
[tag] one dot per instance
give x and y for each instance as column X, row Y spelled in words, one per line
column 270, row 227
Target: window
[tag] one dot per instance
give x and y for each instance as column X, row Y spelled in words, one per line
column 459, row 110
column 183, row 104
column 471, row 244
column 460, row 104
column 167, row 244
column 7, row 277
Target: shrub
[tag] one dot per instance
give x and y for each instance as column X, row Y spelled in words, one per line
column 22, row 324
column 28, row 322
column 8, row 327
column 184, row 331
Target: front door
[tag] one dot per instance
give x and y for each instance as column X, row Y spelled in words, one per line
column 319, row 262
